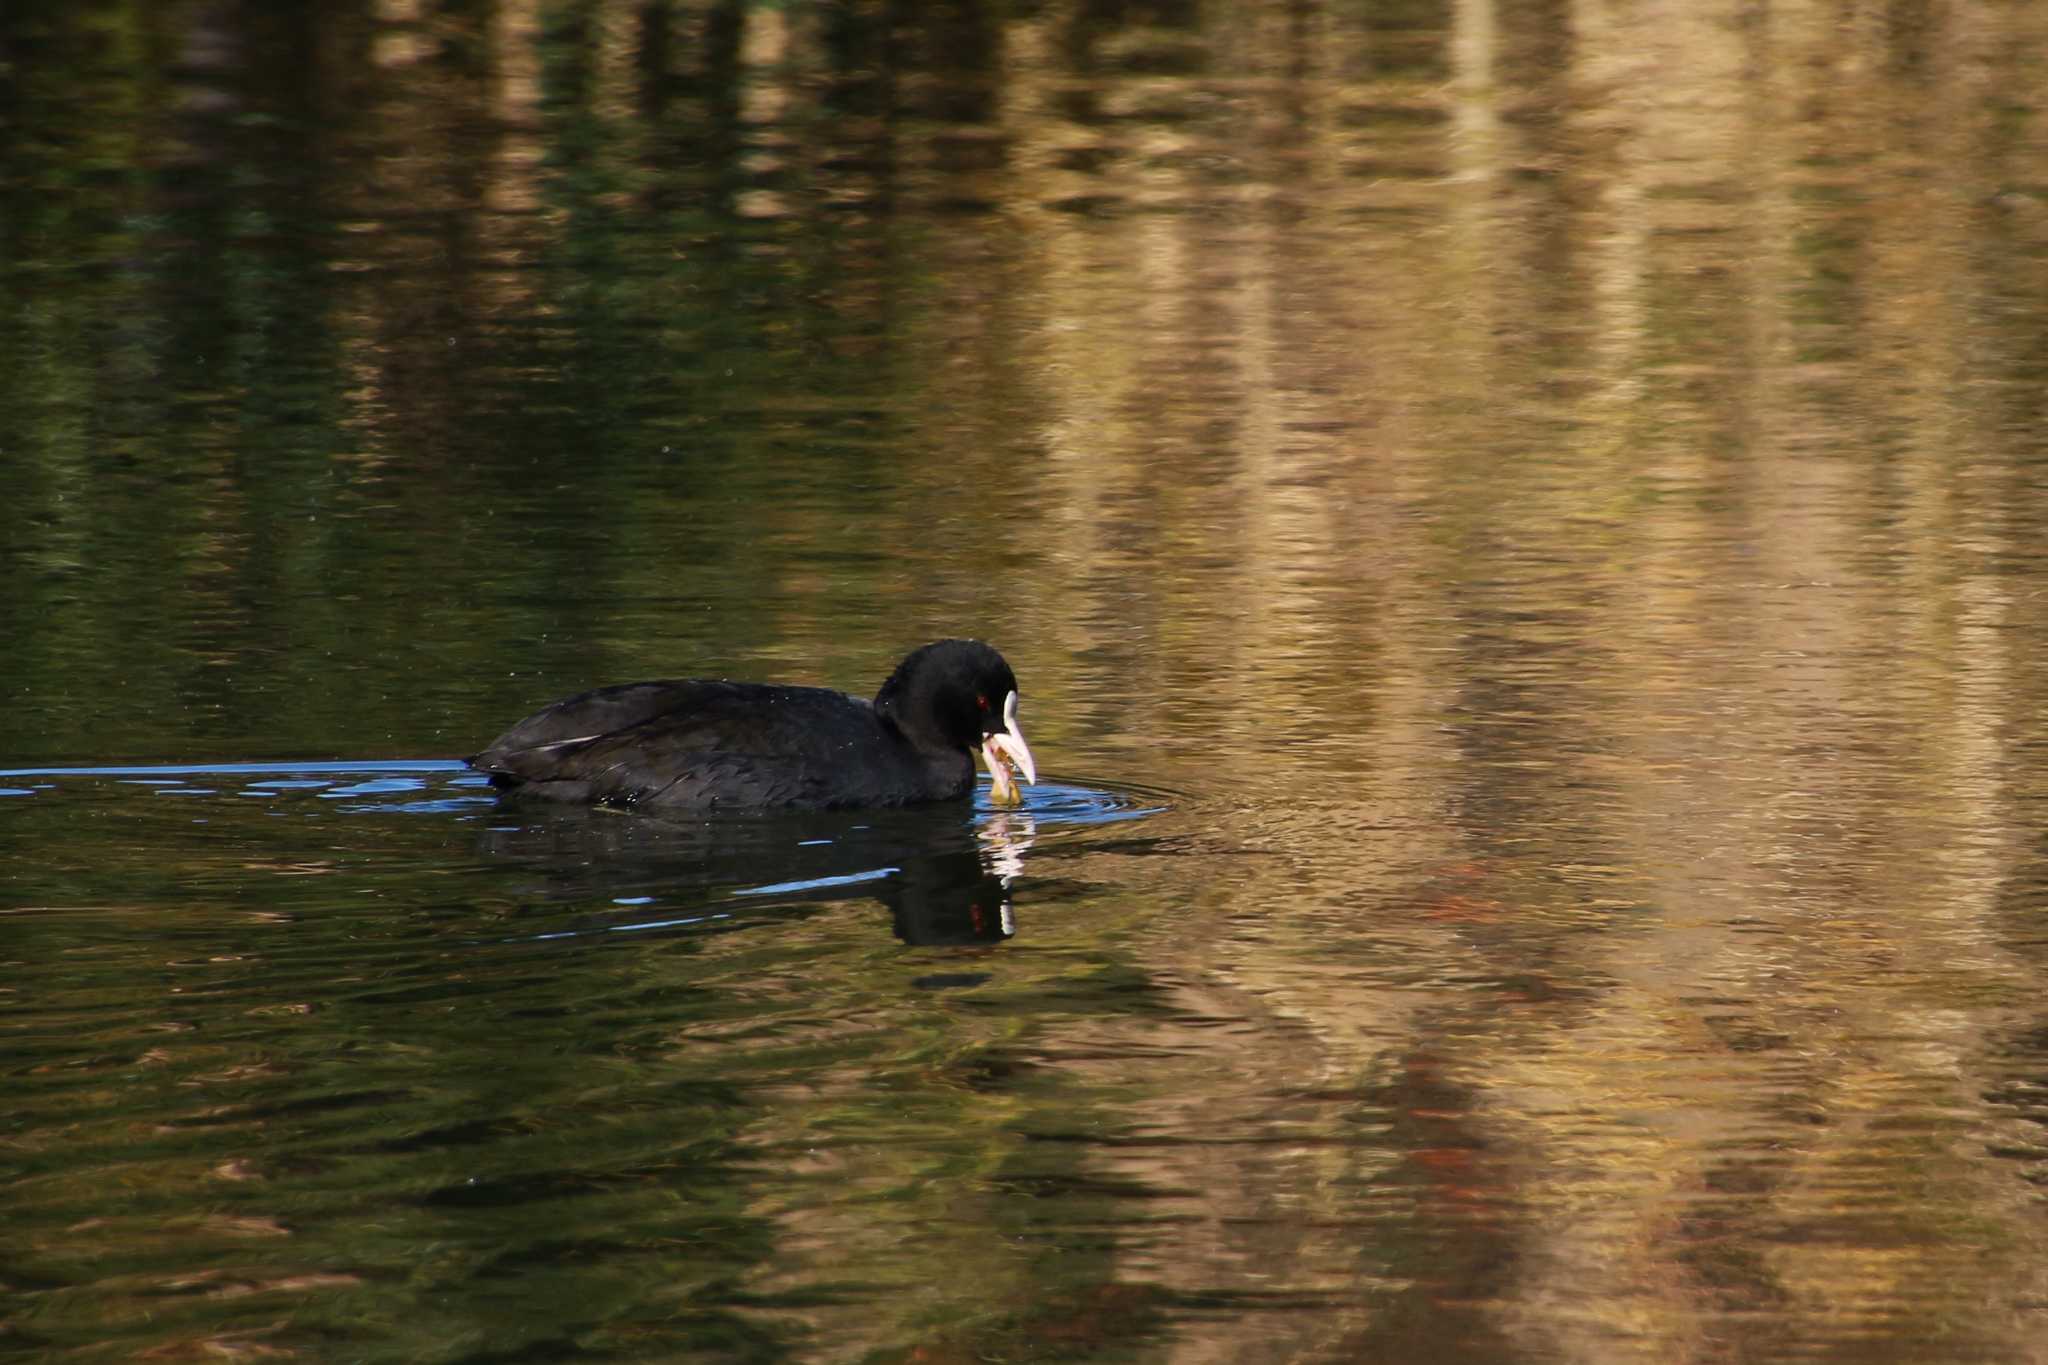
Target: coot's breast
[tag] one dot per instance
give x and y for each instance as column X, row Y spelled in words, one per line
column 701, row 744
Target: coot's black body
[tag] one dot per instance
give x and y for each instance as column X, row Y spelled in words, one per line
column 700, row 744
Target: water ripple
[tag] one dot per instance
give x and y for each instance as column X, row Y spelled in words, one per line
column 376, row 786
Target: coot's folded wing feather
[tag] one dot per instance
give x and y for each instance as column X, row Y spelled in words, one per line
column 600, row 711
column 682, row 742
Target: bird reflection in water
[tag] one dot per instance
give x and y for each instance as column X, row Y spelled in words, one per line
column 962, row 897
column 947, row 881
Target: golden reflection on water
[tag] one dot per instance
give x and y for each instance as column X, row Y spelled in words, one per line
column 1590, row 587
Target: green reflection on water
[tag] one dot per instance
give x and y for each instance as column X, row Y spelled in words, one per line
column 369, row 1085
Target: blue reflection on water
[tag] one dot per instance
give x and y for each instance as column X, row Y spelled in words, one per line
column 818, row 883
column 170, row 771
column 365, row 785
column 353, row 785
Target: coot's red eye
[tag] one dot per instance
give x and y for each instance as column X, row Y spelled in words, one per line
column 981, row 700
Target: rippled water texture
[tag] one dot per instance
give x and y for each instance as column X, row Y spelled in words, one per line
column 1520, row 528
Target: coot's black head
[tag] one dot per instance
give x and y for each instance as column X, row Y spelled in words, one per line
column 960, row 694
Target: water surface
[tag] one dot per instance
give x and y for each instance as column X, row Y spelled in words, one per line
column 1521, row 530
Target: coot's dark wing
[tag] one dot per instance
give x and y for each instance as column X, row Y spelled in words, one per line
column 599, row 711
column 700, row 744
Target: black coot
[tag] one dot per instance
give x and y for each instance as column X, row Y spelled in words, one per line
column 699, row 744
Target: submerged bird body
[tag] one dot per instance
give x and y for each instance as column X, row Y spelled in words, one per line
column 701, row 744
